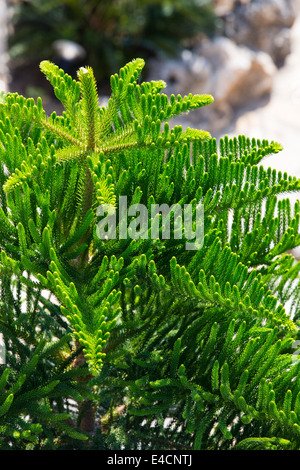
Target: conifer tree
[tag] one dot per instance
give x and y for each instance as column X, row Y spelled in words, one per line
column 122, row 342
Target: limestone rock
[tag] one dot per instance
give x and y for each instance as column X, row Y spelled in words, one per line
column 262, row 25
column 239, row 74
column 222, row 7
column 234, row 75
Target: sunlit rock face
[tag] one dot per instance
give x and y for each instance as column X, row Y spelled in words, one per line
column 239, row 65
column 261, row 25
column 234, row 75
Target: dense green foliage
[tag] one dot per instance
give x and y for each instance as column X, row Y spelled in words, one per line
column 112, row 32
column 154, row 345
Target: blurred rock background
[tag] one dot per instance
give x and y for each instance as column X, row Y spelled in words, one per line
column 3, row 46
column 246, row 53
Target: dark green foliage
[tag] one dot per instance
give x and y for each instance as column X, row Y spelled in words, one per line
column 38, row 382
column 182, row 349
column 112, row 32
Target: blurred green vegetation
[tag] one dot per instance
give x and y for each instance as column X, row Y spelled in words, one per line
column 112, row 32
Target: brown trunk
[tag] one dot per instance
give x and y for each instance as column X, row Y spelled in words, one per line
column 86, row 409
column 87, row 422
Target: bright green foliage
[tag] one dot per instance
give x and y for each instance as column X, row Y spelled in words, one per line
column 190, row 349
column 75, row 155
